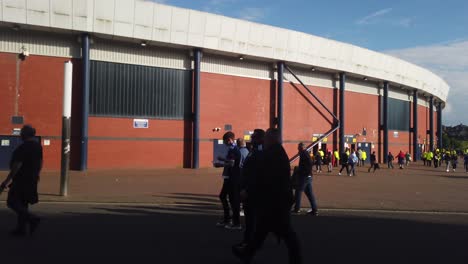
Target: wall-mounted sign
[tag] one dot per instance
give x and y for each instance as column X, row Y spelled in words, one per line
column 248, row 135
column 46, row 142
column 315, row 137
column 140, row 123
column 350, row 138
column 16, row 131
column 5, row 142
column 395, row 134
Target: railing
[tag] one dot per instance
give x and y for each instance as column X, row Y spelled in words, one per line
column 335, row 119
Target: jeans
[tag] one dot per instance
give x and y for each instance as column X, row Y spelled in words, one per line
column 232, row 190
column 305, row 185
column 352, row 170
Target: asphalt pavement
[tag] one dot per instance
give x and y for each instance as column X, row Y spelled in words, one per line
column 186, row 233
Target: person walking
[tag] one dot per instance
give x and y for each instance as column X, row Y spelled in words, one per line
column 363, row 158
column 25, row 168
column 231, row 175
column 329, row 158
column 318, row 161
column 353, row 160
column 344, row 162
column 401, row 159
column 244, row 151
column 454, row 160
column 390, row 159
column 359, row 155
column 273, row 203
column 373, row 162
column 336, row 159
column 407, row 158
column 304, row 177
column 253, row 166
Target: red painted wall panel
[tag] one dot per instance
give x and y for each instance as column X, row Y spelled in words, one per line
column 114, row 154
column 40, row 87
column 362, row 111
column 241, row 102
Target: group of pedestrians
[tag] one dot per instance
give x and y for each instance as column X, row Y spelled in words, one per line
column 349, row 160
column 262, row 182
column 402, row 158
column 446, row 157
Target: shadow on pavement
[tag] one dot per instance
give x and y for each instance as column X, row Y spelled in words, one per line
column 455, row 177
column 131, row 234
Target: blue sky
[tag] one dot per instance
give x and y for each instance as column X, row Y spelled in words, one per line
column 430, row 33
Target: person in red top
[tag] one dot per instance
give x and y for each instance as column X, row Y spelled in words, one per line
column 401, row 159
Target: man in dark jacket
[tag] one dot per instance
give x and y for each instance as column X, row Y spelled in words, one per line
column 304, row 178
column 344, row 162
column 373, row 162
column 25, row 166
column 273, row 202
column 231, row 176
column 253, row 166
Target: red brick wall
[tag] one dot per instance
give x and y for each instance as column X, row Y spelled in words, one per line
column 114, row 143
column 242, row 102
column 40, row 98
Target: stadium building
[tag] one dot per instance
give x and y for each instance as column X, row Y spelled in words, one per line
column 157, row 86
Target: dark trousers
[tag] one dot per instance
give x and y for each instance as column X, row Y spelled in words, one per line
column 305, row 185
column 249, row 216
column 21, row 209
column 279, row 223
column 344, row 166
column 231, row 190
column 373, row 165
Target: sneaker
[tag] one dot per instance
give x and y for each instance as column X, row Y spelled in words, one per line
column 339, row 173
column 233, row 227
column 312, row 212
column 295, row 211
column 241, row 213
column 223, row 223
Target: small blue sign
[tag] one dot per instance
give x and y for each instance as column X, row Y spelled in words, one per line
column 140, row 123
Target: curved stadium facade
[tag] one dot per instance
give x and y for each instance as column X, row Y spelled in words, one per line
column 157, row 86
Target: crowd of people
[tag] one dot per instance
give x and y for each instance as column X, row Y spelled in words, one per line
column 446, row 158
column 258, row 178
column 261, row 181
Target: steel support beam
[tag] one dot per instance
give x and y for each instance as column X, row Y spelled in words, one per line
column 280, row 85
column 197, row 54
column 342, row 112
column 439, row 126
column 85, row 41
column 431, row 123
column 385, row 121
column 415, row 125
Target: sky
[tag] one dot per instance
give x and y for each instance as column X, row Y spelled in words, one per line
column 429, row 33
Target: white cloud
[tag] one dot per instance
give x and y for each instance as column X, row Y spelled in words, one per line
column 450, row 61
column 369, row 19
column 252, row 13
column 404, row 22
